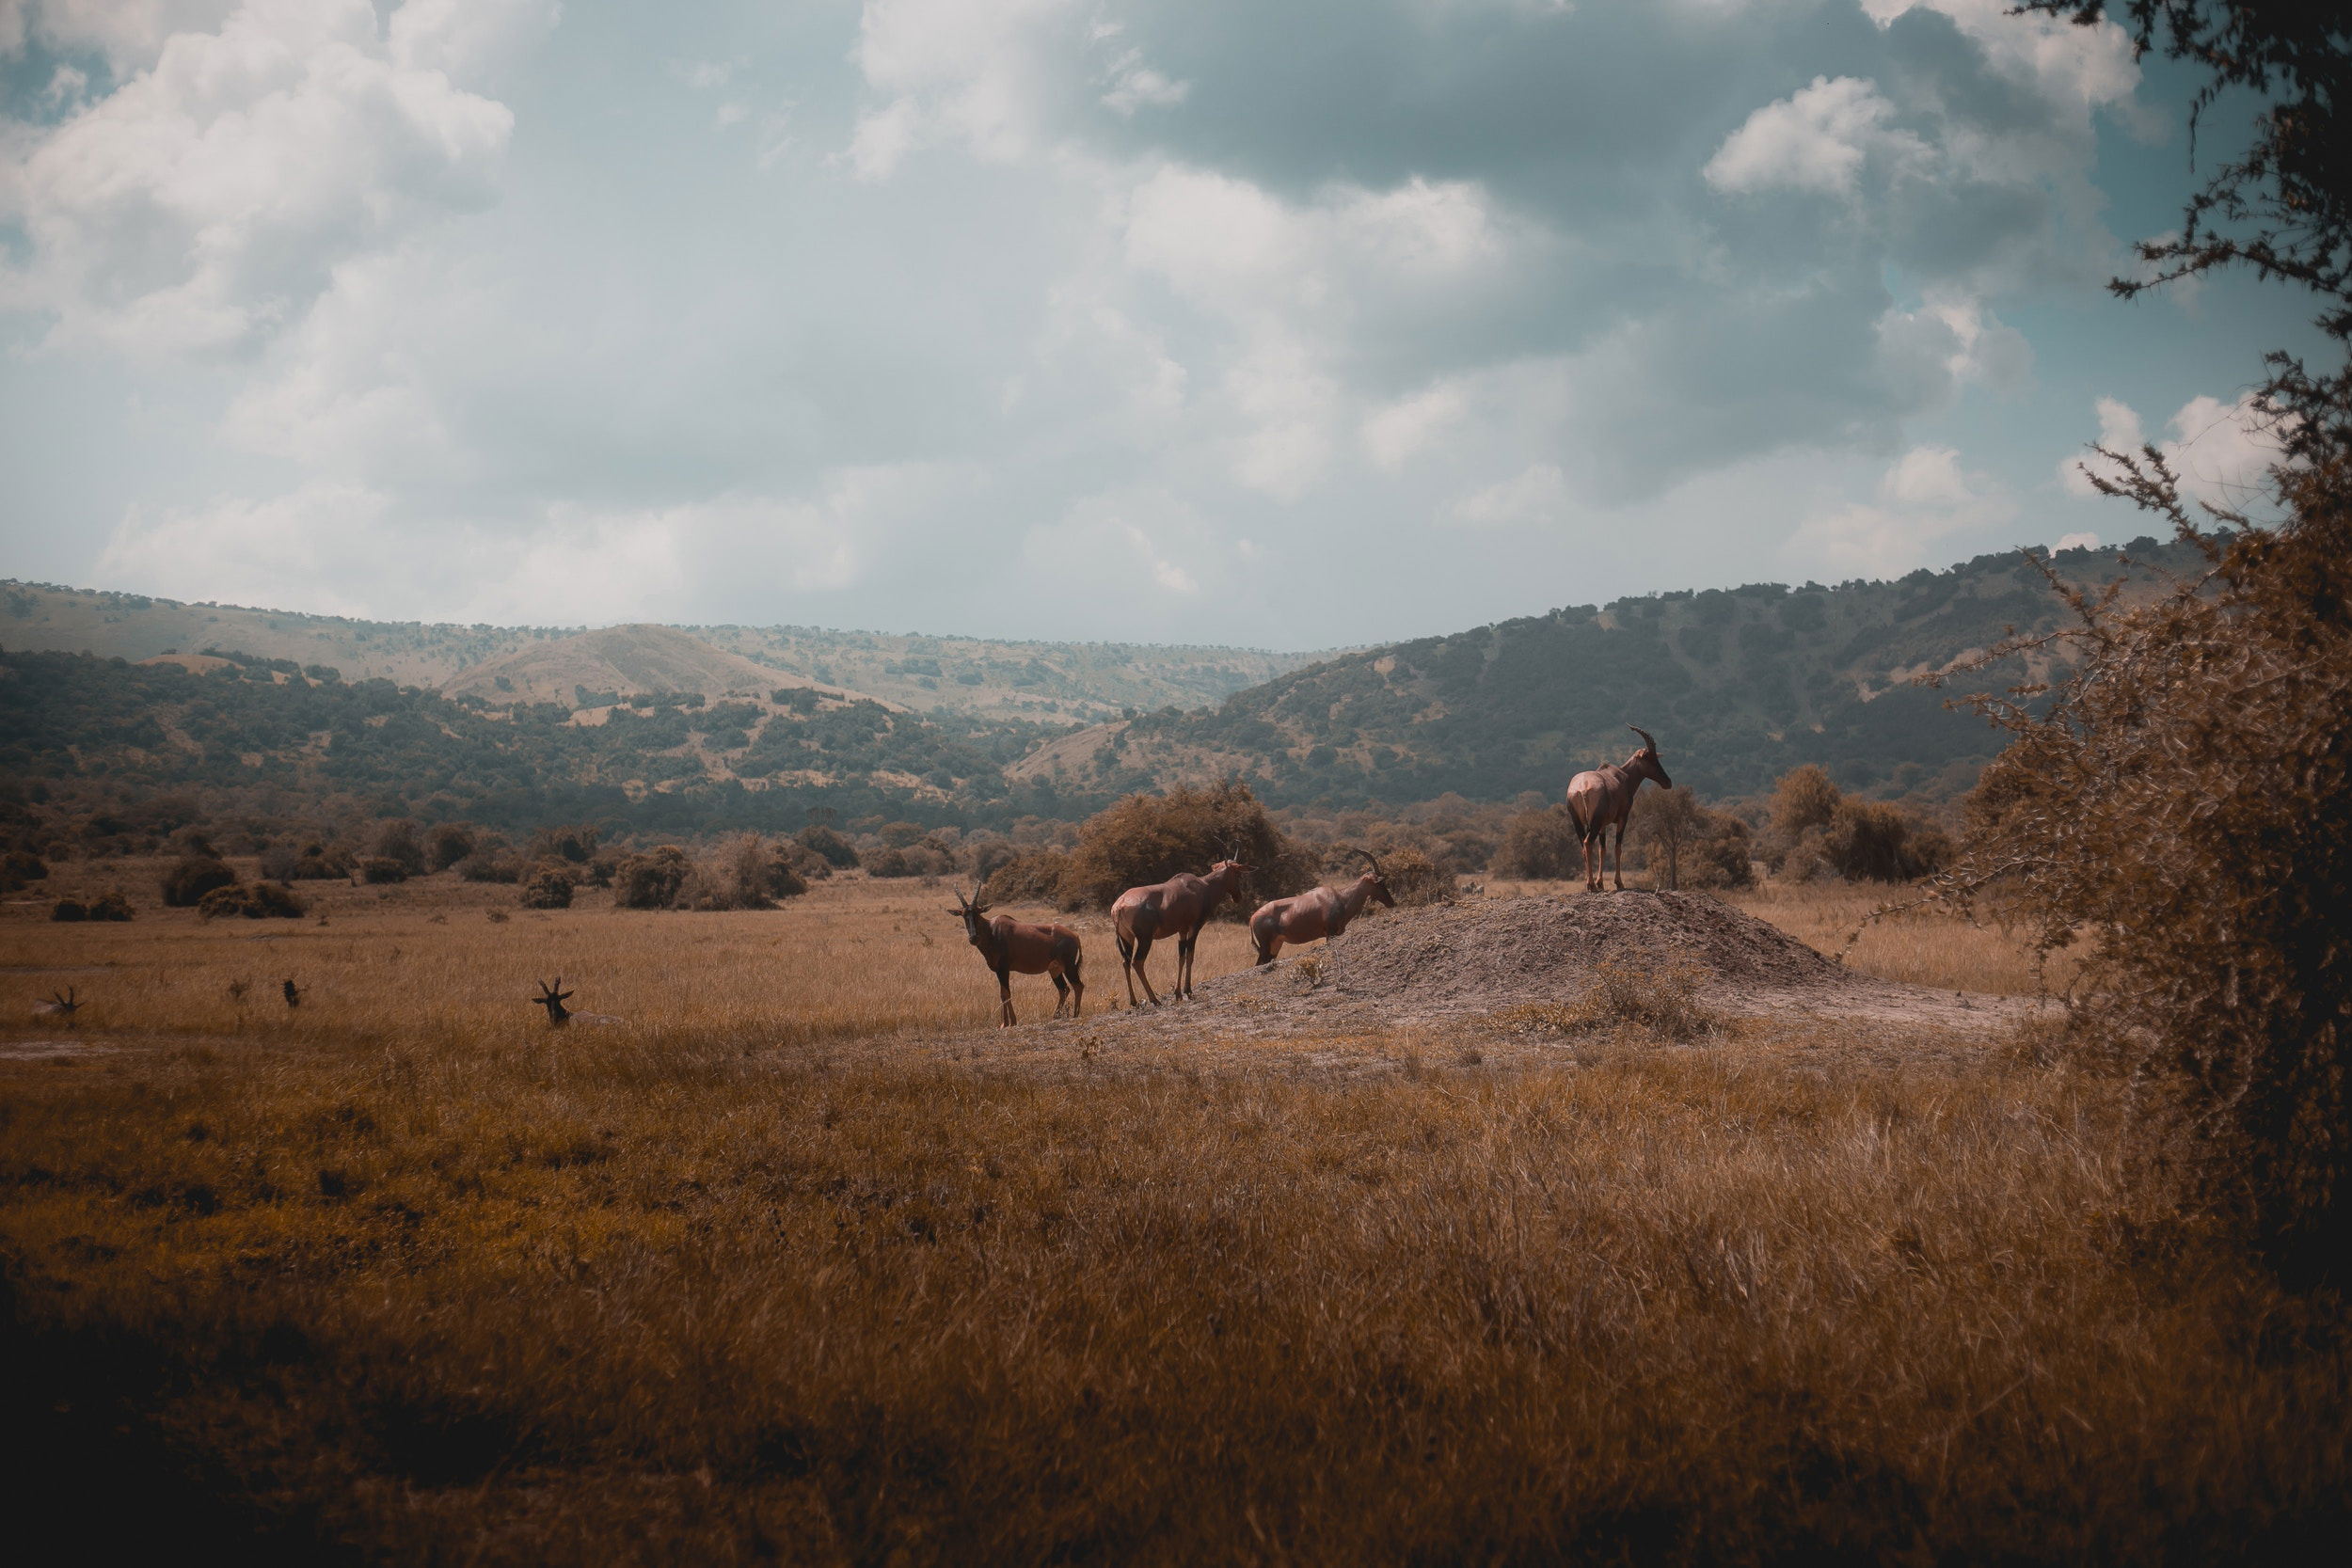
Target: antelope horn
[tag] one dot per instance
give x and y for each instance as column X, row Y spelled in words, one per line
column 1647, row 739
column 1370, row 858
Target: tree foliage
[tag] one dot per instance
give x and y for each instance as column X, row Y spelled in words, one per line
column 2179, row 798
column 1149, row 838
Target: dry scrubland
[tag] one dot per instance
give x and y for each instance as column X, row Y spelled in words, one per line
column 802, row 1260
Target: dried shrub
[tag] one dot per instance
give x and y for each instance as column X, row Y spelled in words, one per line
column 397, row 842
column 549, row 887
column 447, row 844
column 382, row 868
column 110, row 906
column 1150, row 838
column 1539, row 844
column 492, row 863
column 186, row 884
column 281, row 861
column 1818, row 830
column 2180, row 801
column 321, row 863
column 746, row 872
column 1664, row 1002
column 253, row 901
column 1414, row 879
column 69, row 909
column 837, row 851
column 575, row 844
column 1031, row 876
column 19, row 867
column 653, row 880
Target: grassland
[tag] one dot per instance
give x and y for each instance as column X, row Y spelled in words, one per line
column 801, row 1260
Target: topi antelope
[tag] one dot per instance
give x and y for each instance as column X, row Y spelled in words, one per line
column 553, row 997
column 1008, row 945
column 59, row 1006
column 1323, row 912
column 1178, row 908
column 293, row 994
column 1603, row 798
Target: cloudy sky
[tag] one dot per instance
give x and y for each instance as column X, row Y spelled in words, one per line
column 1286, row 324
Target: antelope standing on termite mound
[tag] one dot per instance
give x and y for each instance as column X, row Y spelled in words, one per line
column 1007, row 946
column 1178, row 908
column 59, row 1006
column 553, row 997
column 1323, row 912
column 1603, row 798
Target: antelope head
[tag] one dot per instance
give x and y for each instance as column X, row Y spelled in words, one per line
column 969, row 911
column 1644, row 764
column 1376, row 880
column 61, row 1005
column 1229, row 871
column 552, row 998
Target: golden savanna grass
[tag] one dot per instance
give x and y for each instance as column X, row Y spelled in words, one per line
column 804, row 1261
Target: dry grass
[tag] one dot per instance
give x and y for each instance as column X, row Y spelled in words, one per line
column 758, row 1275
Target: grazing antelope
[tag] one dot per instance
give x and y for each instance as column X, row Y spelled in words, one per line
column 1178, row 908
column 1006, row 945
column 59, row 1006
column 293, row 994
column 553, row 997
column 1323, row 912
column 1603, row 798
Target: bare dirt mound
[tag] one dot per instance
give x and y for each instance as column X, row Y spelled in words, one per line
column 1487, row 953
column 1517, row 949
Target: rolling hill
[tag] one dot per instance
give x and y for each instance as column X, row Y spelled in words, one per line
column 1739, row 686
column 979, row 677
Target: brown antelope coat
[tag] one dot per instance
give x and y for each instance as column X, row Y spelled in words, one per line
column 1603, row 798
column 1008, row 946
column 1322, row 912
column 1178, row 908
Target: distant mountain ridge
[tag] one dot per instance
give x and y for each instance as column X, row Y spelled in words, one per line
column 1058, row 683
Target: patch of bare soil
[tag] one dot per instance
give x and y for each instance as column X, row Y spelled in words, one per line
column 1479, row 957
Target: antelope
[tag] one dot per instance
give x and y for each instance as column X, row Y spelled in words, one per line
column 59, row 1006
column 1322, row 912
column 1603, row 798
column 553, row 997
column 1179, row 908
column 293, row 994
column 1006, row 945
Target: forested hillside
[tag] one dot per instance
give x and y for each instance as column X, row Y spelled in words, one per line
column 1739, row 686
column 272, row 733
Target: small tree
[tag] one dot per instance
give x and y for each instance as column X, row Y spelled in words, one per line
column 1664, row 824
column 837, row 851
column 1149, row 838
column 549, row 887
